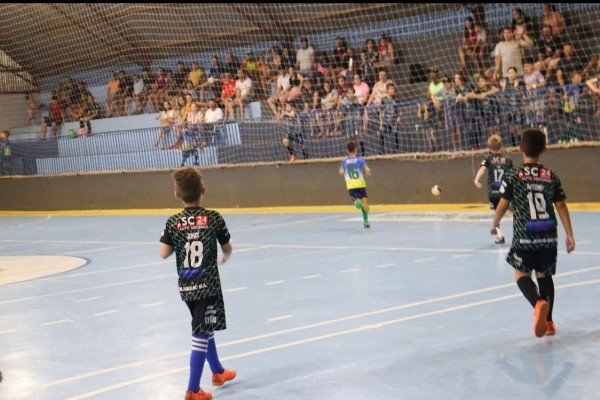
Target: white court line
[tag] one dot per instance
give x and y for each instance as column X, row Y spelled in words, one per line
column 102, row 249
column 158, row 303
column 58, row 321
column 119, row 268
column 303, row 328
column 419, row 260
column 321, row 337
column 236, row 289
column 385, row 265
column 461, row 255
column 274, row 283
column 344, row 271
column 106, row 312
column 311, row 276
column 88, row 299
column 280, row 318
column 302, row 221
column 8, row 331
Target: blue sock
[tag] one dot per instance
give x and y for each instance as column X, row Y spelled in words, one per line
column 212, row 357
column 197, row 358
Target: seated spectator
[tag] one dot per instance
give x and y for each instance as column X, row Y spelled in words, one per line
column 387, row 54
column 196, row 75
column 323, row 66
column 124, row 95
column 228, row 94
column 361, row 90
column 252, row 67
column 329, row 101
column 549, row 50
column 73, row 96
column 350, row 63
column 32, row 107
column 520, row 19
column 366, row 70
column 213, row 83
column 92, row 111
column 568, row 63
column 181, row 75
column 338, row 54
column 148, row 80
column 157, row 93
column 509, row 53
column 167, row 118
column 139, row 95
column 231, row 64
column 295, row 90
column 213, row 118
column 287, row 59
column 55, row 118
column 243, row 92
column 281, row 86
column 305, row 58
column 554, row 19
column 373, row 104
column 189, row 90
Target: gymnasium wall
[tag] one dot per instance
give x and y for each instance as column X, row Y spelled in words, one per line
column 394, row 181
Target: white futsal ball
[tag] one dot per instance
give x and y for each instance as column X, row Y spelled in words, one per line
column 436, row 190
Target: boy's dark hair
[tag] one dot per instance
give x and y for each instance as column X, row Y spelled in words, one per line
column 389, row 85
column 513, row 68
column 529, row 60
column 351, row 147
column 533, row 142
column 188, row 184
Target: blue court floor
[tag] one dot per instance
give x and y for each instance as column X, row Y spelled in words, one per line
column 421, row 306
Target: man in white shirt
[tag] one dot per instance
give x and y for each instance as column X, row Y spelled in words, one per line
column 213, row 118
column 282, row 86
column 508, row 52
column 243, row 91
column 305, row 58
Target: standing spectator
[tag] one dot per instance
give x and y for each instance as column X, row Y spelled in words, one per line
column 534, row 96
column 453, row 115
column 92, row 111
column 568, row 63
column 5, row 144
column 365, row 68
column 571, row 109
column 509, row 53
column 281, row 86
column 32, row 107
column 112, row 89
column 429, row 126
column 520, row 19
column 329, row 101
column 513, row 91
column 488, row 105
column 468, row 47
column 481, row 49
column 124, row 94
column 181, row 75
column 390, row 119
column 55, row 118
column 167, row 119
column 305, row 58
column 593, row 85
column 554, row 19
column 434, row 93
column 466, row 111
column 213, row 119
column 293, row 135
column 349, row 110
column 549, row 51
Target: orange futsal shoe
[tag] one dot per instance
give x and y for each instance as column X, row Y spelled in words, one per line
column 220, row 379
column 540, row 325
column 292, row 158
column 551, row 331
column 200, row 395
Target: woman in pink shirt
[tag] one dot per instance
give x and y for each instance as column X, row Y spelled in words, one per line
column 361, row 89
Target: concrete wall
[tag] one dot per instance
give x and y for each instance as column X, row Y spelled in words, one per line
column 13, row 111
column 394, row 181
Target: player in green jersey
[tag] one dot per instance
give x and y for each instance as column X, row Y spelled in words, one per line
column 193, row 235
column 533, row 189
column 496, row 165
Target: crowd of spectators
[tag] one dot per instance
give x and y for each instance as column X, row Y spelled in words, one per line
column 534, row 67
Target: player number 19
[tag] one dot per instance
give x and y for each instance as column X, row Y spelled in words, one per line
column 537, row 206
column 193, row 254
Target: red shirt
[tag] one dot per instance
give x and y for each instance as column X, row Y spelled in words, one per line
column 55, row 111
column 228, row 89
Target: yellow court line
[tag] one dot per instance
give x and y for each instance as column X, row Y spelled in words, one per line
column 289, row 209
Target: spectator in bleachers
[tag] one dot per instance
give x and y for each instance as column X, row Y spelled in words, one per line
column 181, row 110
column 252, row 67
column 593, row 85
column 366, row 70
column 549, row 51
column 295, row 90
column 181, row 75
column 361, row 90
column 350, row 62
column 370, row 49
column 535, row 106
column 111, row 94
column 342, row 85
column 570, row 109
column 325, row 119
column 481, row 49
column 323, row 66
column 305, row 58
column 231, row 64
column 171, row 89
column 389, row 119
column 282, row 85
column 434, row 93
column 305, row 116
column 555, row 19
column 91, row 111
column 428, row 125
column 32, row 107
column 55, row 118
column 228, row 94
column 73, row 96
column 193, row 122
column 139, row 95
column 243, row 92
column 293, row 136
column 373, row 104
column 520, row 19
column 453, row 117
column 196, row 75
column 167, row 119
column 513, row 90
column 509, row 51
column 124, row 94
column 464, row 108
column 4, row 144
column 148, row 80
column 338, row 54
column 213, row 82
column 468, row 47
column 349, row 113
column 287, row 58
column 189, row 90
column 213, row 119
column 387, row 54
column 568, row 62
column 487, row 104
column 157, row 94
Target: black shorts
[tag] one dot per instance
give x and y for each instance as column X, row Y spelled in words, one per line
column 49, row 121
column 494, row 200
column 295, row 138
column 357, row 194
column 541, row 260
column 208, row 315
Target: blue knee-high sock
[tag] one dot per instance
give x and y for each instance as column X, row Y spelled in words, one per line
column 212, row 357
column 197, row 359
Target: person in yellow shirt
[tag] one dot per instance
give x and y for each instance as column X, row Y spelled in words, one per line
column 196, row 76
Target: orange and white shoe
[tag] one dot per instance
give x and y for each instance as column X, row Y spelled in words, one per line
column 220, row 379
column 199, row 395
column 551, row 331
column 540, row 325
column 292, row 158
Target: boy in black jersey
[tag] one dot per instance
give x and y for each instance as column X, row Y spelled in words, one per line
column 192, row 235
column 533, row 189
column 497, row 165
